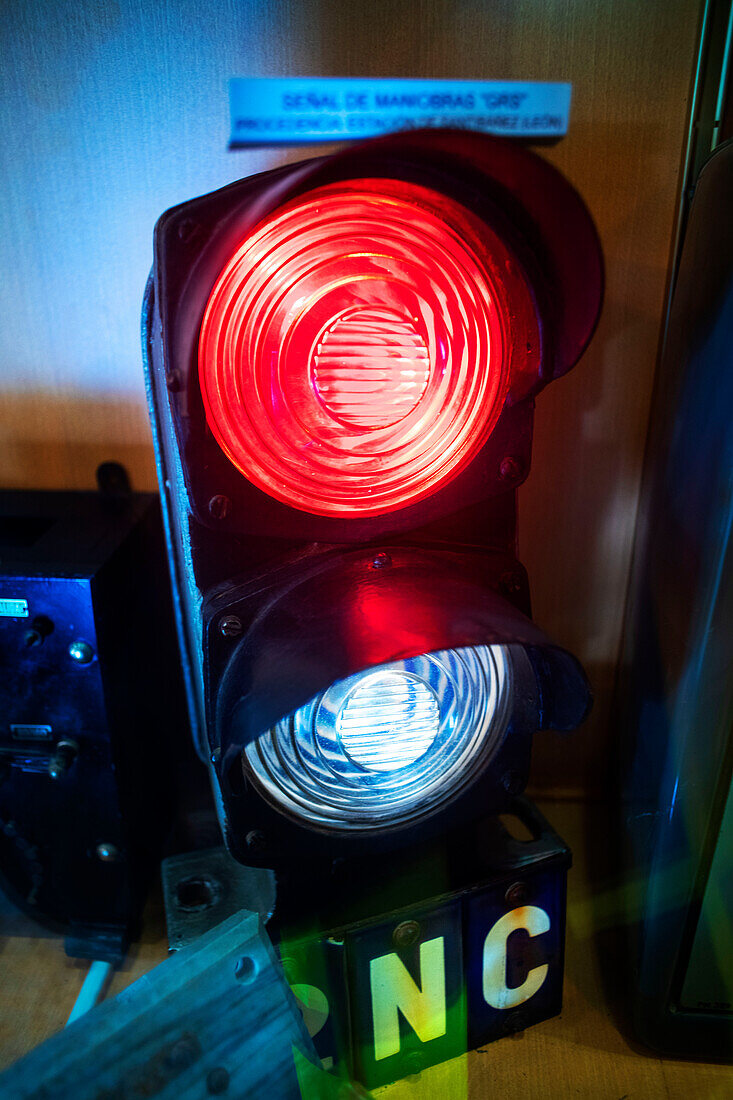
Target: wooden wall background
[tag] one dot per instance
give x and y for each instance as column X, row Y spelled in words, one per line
column 112, row 112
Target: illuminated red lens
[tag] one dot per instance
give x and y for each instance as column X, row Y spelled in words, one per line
column 352, row 354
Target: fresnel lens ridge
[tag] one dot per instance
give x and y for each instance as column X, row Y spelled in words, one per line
column 352, row 354
column 384, row 747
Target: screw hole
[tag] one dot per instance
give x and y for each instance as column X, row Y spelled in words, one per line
column 246, row 970
column 195, row 894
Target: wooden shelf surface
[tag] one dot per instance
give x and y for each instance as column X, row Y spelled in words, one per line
column 584, row 1052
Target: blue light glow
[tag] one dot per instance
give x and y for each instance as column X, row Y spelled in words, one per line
column 388, row 744
column 390, row 720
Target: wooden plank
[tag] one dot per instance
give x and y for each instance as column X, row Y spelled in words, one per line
column 217, row 1016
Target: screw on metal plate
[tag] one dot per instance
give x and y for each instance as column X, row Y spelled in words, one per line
column 187, row 230
column 230, row 626
column 81, row 652
column 220, row 506
column 510, row 468
column 217, row 1080
column 510, row 583
column 64, row 756
column 511, row 781
column 256, row 841
column 414, row 1064
column 516, row 894
column 514, row 1022
column 406, row 934
column 381, row 561
column 174, row 381
column 234, row 887
column 107, row 853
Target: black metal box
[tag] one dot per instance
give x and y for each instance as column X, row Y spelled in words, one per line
column 90, row 694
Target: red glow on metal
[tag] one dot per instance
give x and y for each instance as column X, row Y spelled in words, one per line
column 353, row 353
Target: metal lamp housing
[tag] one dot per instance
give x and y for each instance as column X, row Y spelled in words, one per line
column 275, row 603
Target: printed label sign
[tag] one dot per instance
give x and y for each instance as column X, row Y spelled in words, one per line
column 268, row 110
column 25, row 732
column 13, row 609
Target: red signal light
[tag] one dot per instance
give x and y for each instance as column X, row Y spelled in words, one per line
column 356, row 349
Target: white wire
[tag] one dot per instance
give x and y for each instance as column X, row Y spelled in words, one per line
column 92, row 989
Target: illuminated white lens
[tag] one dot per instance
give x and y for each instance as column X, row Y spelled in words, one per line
column 388, row 721
column 386, row 745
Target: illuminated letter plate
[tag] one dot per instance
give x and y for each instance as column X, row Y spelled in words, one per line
column 267, row 110
column 403, row 991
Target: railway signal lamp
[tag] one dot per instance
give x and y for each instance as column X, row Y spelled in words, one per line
column 342, row 361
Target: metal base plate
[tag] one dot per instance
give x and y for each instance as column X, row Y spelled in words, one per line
column 203, row 888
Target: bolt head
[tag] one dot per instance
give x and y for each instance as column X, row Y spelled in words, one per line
column 381, row 561
column 415, row 1063
column 220, row 506
column 256, row 841
column 514, row 1022
column 406, row 934
column 231, row 626
column 512, row 782
column 187, row 230
column 511, row 469
column 108, row 853
column 81, row 652
column 510, row 583
column 516, row 894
